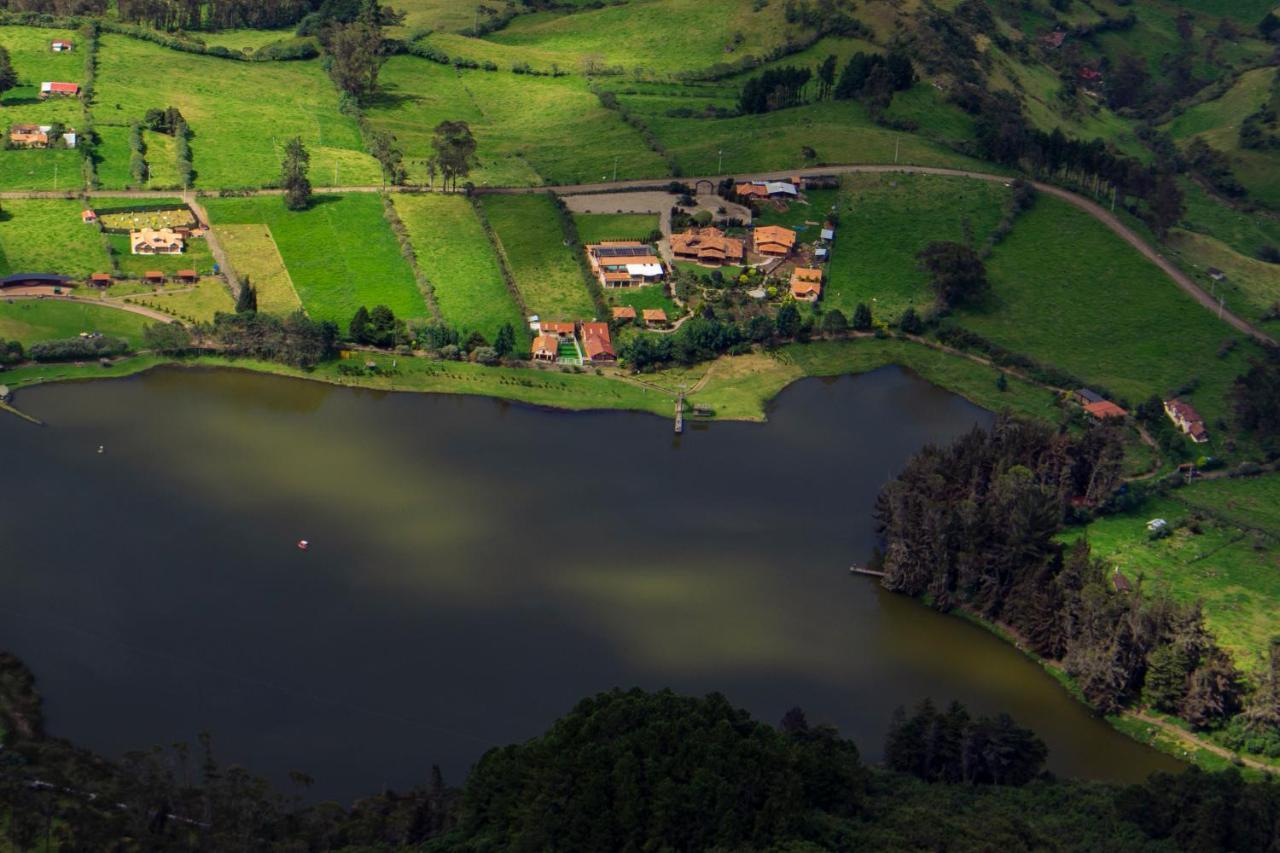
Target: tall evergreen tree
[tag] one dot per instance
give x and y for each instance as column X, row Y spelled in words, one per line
column 293, row 175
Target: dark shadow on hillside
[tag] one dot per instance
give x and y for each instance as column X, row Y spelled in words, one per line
column 389, row 99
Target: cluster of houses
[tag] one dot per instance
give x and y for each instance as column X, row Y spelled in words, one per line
column 39, row 136
column 772, row 244
column 596, row 347
column 1097, row 407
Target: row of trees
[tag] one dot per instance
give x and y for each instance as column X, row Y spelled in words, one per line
column 295, row 339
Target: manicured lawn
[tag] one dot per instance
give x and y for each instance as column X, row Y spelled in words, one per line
column 548, row 276
column 1209, row 557
column 238, row 140
column 594, row 227
column 885, row 220
column 46, row 235
column 1068, row 292
column 457, row 257
column 208, row 297
column 340, row 253
column 530, row 130
column 639, row 298
column 252, row 251
column 196, row 256
column 814, row 207
column 32, row 320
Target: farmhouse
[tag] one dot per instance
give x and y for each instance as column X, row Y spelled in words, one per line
column 1085, row 396
column 545, row 348
column 29, row 135
column 60, row 45
column 806, row 284
column 155, row 241
column 655, row 318
column 767, row 189
column 596, row 345
column 707, row 246
column 48, row 89
column 624, row 312
column 1103, row 409
column 773, row 240
column 624, row 263
column 1187, row 419
column 560, row 331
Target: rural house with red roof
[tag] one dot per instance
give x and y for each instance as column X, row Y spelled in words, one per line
column 773, row 240
column 596, row 346
column 1187, row 419
column 624, row 263
column 707, row 246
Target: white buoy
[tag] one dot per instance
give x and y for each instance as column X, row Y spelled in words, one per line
column 100, row 448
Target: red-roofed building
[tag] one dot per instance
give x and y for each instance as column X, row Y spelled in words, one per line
column 806, row 284
column 48, row 89
column 545, row 348
column 655, row 317
column 596, row 346
column 1104, row 409
column 188, row 276
column 88, row 217
column 60, row 45
column 773, row 240
column 624, row 312
column 1187, row 419
column 563, row 331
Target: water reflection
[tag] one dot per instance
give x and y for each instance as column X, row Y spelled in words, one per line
column 477, row 567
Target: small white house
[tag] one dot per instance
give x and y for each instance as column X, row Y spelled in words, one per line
column 828, row 233
column 535, row 324
column 1156, row 525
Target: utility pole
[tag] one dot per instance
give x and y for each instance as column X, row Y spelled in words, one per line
column 55, row 175
column 720, row 161
column 1222, row 302
column 615, row 168
column 896, row 142
column 335, row 174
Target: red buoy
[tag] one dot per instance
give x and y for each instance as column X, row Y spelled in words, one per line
column 303, row 544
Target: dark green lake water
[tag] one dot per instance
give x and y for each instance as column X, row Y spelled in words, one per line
column 476, row 568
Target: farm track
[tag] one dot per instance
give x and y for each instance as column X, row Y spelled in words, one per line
column 118, row 305
column 1097, row 211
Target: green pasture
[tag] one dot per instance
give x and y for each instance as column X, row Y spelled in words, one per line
column 653, row 36
column 1216, row 554
column 1252, row 287
column 457, row 257
column 238, row 141
column 252, row 251
column 1244, row 232
column 549, row 278
column 1067, row 291
column 199, row 302
column 340, row 253
column 595, row 227
column 885, row 220
column 35, row 63
column 195, row 256
column 530, row 130
column 33, row 320
column 47, row 235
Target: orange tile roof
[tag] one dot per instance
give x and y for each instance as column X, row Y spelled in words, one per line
column 188, row 274
column 624, row 312
column 774, row 234
column 655, row 315
column 707, row 242
column 100, row 276
column 153, row 274
column 596, row 343
column 1105, row 409
column 556, row 328
column 545, row 345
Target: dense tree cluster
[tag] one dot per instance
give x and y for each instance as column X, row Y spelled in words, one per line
column 952, row 746
column 11, row 352
column 875, row 77
column 775, row 89
column 74, row 349
column 956, row 273
column 1255, row 400
column 296, row 339
column 975, row 525
column 379, row 327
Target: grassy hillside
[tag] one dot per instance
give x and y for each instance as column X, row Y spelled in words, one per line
column 456, row 256
column 1224, row 551
column 885, row 220
column 340, row 253
column 1252, row 287
column 548, row 276
column 531, row 130
column 1068, row 292
column 238, row 141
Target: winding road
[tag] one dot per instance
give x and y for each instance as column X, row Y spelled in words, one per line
column 1097, row 211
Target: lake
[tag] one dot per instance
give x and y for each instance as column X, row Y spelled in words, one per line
column 475, row 568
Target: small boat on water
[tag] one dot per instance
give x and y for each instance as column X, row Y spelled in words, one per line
column 303, row 544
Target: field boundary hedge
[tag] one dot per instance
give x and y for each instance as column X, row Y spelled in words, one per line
column 503, row 263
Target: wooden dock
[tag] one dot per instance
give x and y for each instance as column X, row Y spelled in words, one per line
column 855, row 569
column 680, row 414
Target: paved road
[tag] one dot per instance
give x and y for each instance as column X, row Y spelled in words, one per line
column 1098, row 212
